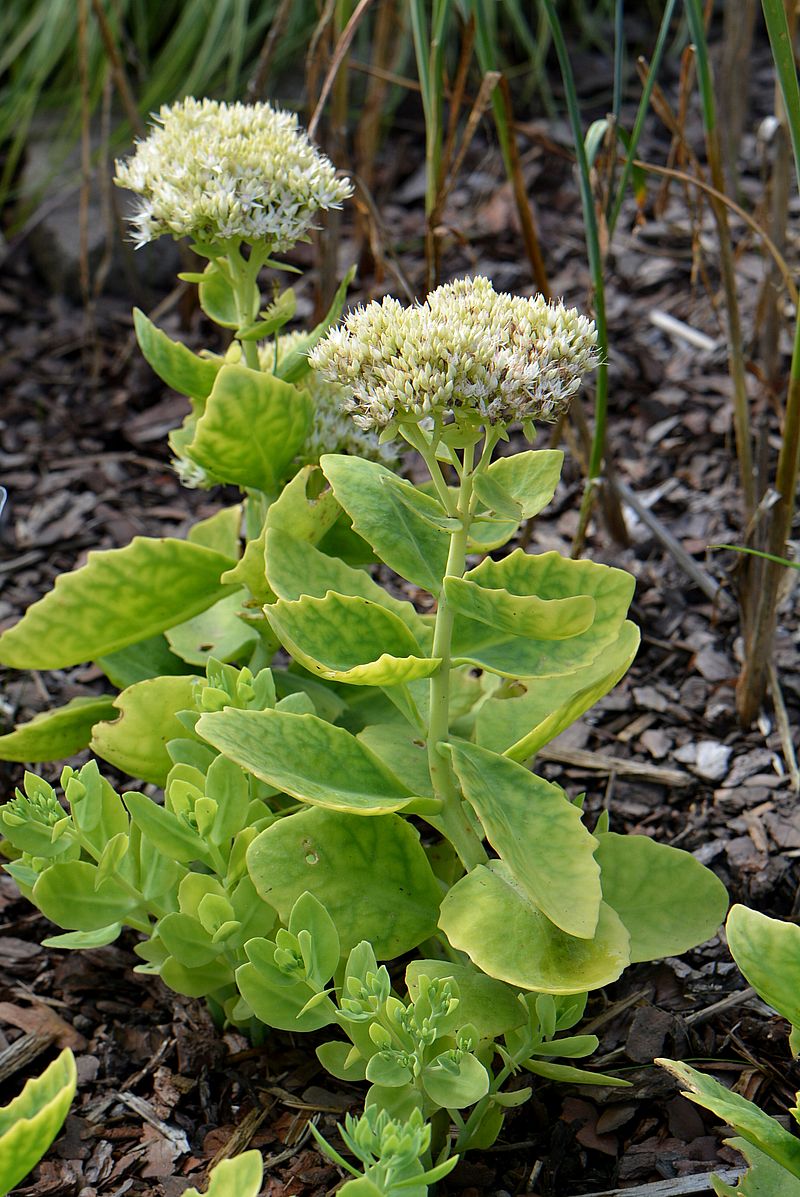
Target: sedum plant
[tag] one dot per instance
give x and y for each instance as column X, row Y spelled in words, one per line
column 767, row 952
column 351, row 835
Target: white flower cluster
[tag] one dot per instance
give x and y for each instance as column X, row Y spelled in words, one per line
column 332, row 430
column 467, row 352
column 217, row 172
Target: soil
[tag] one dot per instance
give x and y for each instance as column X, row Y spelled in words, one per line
column 163, row 1093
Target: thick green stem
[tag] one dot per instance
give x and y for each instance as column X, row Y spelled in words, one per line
column 246, row 310
column 452, row 820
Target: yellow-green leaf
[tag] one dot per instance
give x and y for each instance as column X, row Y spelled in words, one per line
column 532, row 712
column 66, row 893
column 371, row 875
column 489, row 1005
column 306, row 757
column 548, row 576
column 539, row 834
column 220, row 532
column 296, row 568
column 407, row 543
column 521, row 615
column 119, row 597
column 240, row 1177
column 216, row 632
column 747, row 1119
column 135, row 742
column 668, row 901
column 768, row 954
column 173, row 362
column 530, row 478
column 30, row 1123
column 349, row 639
column 251, row 429
column 488, row 915
column 54, row 735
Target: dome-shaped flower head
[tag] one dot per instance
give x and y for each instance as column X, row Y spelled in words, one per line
column 468, row 353
column 218, row 172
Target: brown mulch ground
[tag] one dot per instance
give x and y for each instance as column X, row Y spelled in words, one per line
column 82, row 453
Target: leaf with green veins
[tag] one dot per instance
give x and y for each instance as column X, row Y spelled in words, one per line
column 296, row 568
column 668, row 901
column 521, row 615
column 195, row 982
column 537, row 711
column 403, row 751
column 56, row 734
column 31, row 1121
column 530, row 478
column 303, row 508
column 455, row 1090
column 549, row 576
column 186, row 940
column 295, row 365
column 119, row 597
column 422, row 504
column 489, row 1005
column 220, row 532
column 169, row 834
column 747, row 1119
column 217, row 632
column 487, row 915
column 565, row 1074
column 217, row 298
column 371, row 875
column 83, row 940
column 65, row 893
column 274, row 998
column 306, row 757
column 539, row 834
column 251, row 429
column 335, row 1059
column 404, row 541
column 137, row 662
column 136, row 742
column 349, row 639
column 173, row 362
column 327, row 703
column 767, row 952
column 495, row 497
column 239, row 1177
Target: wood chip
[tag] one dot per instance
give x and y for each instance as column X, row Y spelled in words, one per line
column 21, row 1052
column 681, row 1186
column 603, row 763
